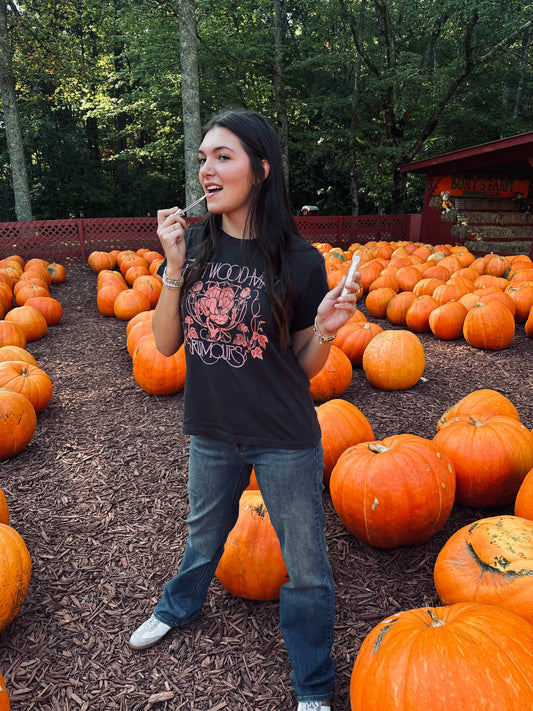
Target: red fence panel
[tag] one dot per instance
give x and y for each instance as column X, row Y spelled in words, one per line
column 73, row 240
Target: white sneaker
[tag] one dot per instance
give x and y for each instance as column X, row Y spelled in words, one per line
column 314, row 706
column 149, row 633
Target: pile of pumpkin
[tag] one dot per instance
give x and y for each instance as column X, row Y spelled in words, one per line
column 27, row 310
column 476, row 651
column 444, row 289
column 128, row 288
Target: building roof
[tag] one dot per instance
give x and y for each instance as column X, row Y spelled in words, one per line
column 508, row 156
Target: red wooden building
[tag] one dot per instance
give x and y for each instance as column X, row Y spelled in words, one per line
column 490, row 189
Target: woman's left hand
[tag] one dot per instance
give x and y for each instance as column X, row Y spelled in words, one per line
column 335, row 309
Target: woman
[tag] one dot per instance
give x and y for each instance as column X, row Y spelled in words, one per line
column 249, row 298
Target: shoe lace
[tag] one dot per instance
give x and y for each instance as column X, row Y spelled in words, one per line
column 152, row 622
column 311, row 706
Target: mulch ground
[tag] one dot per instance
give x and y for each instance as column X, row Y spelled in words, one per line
column 99, row 496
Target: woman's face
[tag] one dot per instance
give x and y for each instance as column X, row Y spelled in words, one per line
column 226, row 176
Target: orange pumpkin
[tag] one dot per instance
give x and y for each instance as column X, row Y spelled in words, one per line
column 106, row 295
column 17, row 422
column 523, row 505
column 446, row 321
column 28, row 380
column 142, row 316
column 15, row 574
column 99, row 260
column 342, row 425
column 16, row 353
column 394, row 360
column 129, row 303
column 522, row 296
column 378, row 300
column 483, row 402
column 50, row 308
column 417, row 315
column 398, row 306
column 155, row 373
column 138, row 331
column 467, row 656
column 489, row 561
column 252, row 565
column 11, row 334
column 28, row 290
column 31, row 320
column 489, row 326
column 528, row 327
column 395, row 492
column 151, row 286
column 354, row 337
column 334, row 378
column 491, row 457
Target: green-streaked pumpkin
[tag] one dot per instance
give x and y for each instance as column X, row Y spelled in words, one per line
column 467, row 657
column 489, row 561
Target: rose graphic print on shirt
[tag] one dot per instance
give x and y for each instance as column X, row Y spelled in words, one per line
column 222, row 315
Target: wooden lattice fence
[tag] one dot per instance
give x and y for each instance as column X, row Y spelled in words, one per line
column 73, row 240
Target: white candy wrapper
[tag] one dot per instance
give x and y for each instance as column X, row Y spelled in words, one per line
column 351, row 271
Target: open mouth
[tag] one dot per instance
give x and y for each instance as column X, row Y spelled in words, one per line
column 212, row 189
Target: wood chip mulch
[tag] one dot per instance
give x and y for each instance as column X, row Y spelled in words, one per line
column 99, row 496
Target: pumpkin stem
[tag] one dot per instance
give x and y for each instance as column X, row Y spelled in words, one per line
column 435, row 621
column 474, row 421
column 377, row 448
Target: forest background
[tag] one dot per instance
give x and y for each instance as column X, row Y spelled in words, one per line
column 102, row 100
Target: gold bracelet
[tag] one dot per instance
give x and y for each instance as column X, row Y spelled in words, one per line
column 320, row 336
column 172, row 283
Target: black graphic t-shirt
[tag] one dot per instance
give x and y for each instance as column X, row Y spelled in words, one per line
column 240, row 386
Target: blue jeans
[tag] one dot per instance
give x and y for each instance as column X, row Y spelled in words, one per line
column 291, row 485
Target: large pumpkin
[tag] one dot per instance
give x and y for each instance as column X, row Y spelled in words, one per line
column 334, row 378
column 17, row 422
column 15, row 573
column 394, row 360
column 31, row 320
column 467, row 657
column 27, row 379
column 342, row 425
column 484, row 402
column 394, row 492
column 490, row 326
column 489, row 561
column 155, row 373
column 491, row 457
column 252, row 565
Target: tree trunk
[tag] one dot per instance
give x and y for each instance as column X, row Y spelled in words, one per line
column 15, row 146
column 278, row 28
column 190, row 97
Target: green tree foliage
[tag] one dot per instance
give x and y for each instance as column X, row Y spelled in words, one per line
column 368, row 85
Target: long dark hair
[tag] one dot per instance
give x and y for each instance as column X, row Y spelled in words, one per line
column 269, row 220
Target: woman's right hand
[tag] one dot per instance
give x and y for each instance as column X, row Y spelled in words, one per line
column 171, row 226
